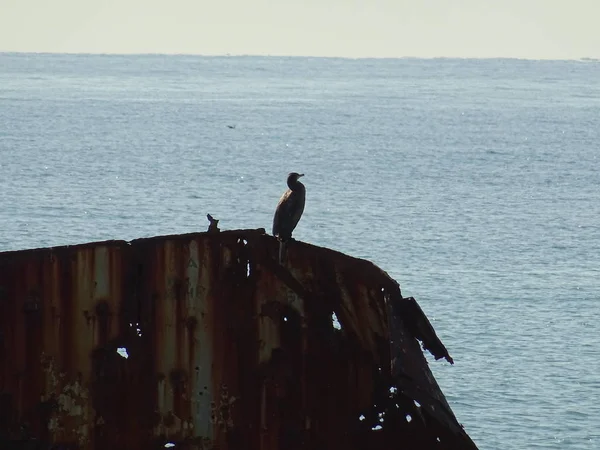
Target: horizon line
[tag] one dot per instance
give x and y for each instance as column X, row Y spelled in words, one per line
column 275, row 55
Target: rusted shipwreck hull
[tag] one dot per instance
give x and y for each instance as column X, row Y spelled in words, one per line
column 226, row 349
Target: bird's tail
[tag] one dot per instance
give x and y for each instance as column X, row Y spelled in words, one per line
column 282, row 250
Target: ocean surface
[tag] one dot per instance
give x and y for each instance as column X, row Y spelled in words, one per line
column 474, row 183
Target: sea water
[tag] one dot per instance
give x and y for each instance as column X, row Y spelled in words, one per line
column 474, row 183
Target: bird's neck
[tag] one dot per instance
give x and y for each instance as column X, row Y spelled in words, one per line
column 295, row 185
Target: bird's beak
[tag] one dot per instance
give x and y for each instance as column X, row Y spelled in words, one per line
column 300, row 175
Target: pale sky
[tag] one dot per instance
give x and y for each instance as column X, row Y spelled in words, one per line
column 544, row 29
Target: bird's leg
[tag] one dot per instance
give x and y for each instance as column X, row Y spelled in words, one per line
column 282, row 251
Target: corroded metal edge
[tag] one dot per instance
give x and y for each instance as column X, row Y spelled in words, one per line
column 226, row 348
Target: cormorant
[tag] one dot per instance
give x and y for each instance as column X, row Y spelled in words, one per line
column 288, row 211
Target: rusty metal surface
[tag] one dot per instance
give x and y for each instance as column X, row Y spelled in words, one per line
column 226, row 349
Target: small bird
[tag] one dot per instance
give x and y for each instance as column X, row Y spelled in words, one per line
column 288, row 211
column 213, row 227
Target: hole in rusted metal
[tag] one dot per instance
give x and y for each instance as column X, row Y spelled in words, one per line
column 377, row 428
column 122, row 351
column 336, row 323
column 417, row 404
column 138, row 330
column 169, row 445
column 408, row 418
column 243, row 257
